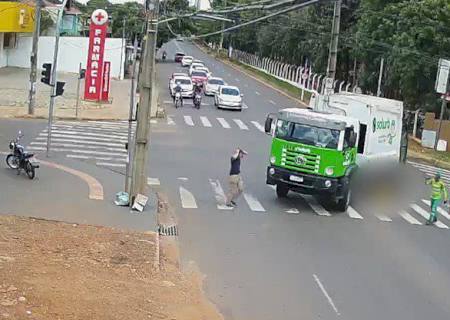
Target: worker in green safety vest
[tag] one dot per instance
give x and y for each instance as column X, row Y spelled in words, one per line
column 438, row 189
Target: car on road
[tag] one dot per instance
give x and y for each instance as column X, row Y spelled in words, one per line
column 228, row 97
column 179, row 56
column 186, row 84
column 176, row 74
column 199, row 77
column 186, row 61
column 208, row 73
column 195, row 65
column 212, row 86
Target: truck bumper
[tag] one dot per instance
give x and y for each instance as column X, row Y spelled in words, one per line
column 306, row 183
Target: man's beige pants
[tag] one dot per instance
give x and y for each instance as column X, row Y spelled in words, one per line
column 236, row 187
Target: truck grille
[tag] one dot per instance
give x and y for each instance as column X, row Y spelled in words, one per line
column 300, row 161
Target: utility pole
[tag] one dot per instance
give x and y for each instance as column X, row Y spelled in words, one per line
column 332, row 58
column 380, row 77
column 142, row 138
column 121, row 51
column 130, row 118
column 78, row 91
column 53, row 77
column 223, row 27
column 443, row 107
column 33, row 58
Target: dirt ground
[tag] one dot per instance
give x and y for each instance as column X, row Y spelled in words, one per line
column 54, row 270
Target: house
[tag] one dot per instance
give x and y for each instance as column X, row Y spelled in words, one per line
column 15, row 17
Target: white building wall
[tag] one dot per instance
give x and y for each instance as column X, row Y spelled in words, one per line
column 72, row 51
column 3, row 56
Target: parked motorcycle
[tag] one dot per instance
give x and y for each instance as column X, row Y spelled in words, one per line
column 164, row 56
column 197, row 100
column 178, row 100
column 20, row 160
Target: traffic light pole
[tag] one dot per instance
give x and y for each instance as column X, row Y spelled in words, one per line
column 78, row 92
column 53, row 77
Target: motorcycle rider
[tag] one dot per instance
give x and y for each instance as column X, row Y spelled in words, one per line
column 164, row 55
column 177, row 89
column 197, row 91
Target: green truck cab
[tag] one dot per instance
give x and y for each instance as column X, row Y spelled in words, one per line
column 317, row 150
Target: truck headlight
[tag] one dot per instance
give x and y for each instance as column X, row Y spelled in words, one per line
column 273, row 160
column 327, row 183
column 271, row 171
column 329, row 171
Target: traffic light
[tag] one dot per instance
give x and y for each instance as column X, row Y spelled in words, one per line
column 59, row 88
column 46, row 73
column 82, row 73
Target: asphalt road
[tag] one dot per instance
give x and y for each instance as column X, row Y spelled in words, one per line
column 289, row 259
column 57, row 195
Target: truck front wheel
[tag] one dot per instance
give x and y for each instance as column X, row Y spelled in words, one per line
column 282, row 190
column 344, row 202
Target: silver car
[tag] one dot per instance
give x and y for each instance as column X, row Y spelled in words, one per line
column 228, row 97
column 212, row 86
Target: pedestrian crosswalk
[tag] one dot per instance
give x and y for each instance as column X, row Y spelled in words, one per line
column 431, row 171
column 103, row 142
column 211, row 122
column 416, row 214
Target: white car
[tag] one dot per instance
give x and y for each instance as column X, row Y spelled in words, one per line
column 228, row 97
column 198, row 61
column 194, row 65
column 186, row 61
column 187, row 88
column 174, row 75
column 212, row 86
column 205, row 69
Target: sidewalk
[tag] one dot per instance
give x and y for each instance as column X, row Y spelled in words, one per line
column 14, row 88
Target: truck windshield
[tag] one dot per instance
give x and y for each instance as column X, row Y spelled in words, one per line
column 302, row 133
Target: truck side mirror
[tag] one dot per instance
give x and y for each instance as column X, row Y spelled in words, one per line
column 268, row 124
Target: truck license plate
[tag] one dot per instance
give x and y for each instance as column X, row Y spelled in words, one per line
column 296, row 178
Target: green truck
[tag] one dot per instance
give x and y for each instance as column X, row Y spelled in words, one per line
column 318, row 150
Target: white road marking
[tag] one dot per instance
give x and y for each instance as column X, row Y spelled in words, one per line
column 43, row 136
column 244, row 106
column 383, row 218
column 293, row 211
column 325, row 293
column 36, row 148
column 153, row 182
column 76, row 156
column 318, row 208
column 224, row 123
column 405, row 215
column 170, row 121
column 416, row 164
column 352, row 213
column 121, row 129
column 253, row 203
column 236, row 79
column 426, row 215
column 168, row 101
column 109, row 164
column 69, row 145
column 188, row 120
column 84, row 152
column 240, row 124
column 219, row 195
column 272, row 102
column 74, row 140
column 182, row 178
column 153, row 121
column 91, row 134
column 258, row 126
column 257, row 93
column 205, row 122
column 187, row 199
column 440, row 210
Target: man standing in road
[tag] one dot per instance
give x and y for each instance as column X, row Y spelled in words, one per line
column 236, row 184
column 438, row 190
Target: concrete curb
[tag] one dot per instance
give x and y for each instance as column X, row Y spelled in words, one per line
column 167, row 231
column 237, row 68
